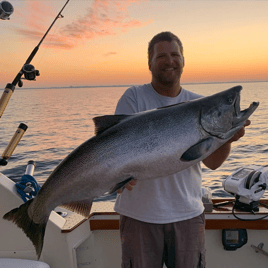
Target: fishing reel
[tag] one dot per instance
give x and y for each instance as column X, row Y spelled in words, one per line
column 6, row 9
column 29, row 73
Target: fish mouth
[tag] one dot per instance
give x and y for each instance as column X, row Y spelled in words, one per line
column 226, row 118
column 241, row 116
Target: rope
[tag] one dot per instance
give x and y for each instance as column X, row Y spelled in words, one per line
column 27, row 187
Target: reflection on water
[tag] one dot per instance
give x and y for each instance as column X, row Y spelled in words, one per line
column 61, row 119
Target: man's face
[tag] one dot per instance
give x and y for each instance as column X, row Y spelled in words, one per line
column 167, row 63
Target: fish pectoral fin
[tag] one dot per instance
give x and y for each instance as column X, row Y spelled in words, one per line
column 119, row 185
column 81, row 207
column 197, row 150
column 104, row 122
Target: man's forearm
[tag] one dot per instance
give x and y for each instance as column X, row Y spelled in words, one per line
column 216, row 159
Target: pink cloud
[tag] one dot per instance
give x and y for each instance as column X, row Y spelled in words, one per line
column 35, row 14
column 102, row 18
column 109, row 54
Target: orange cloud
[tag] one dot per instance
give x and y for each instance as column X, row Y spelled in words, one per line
column 103, row 18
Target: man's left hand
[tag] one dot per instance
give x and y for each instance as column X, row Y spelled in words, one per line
column 240, row 133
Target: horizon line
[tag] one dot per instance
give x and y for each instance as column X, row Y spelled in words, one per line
column 130, row 85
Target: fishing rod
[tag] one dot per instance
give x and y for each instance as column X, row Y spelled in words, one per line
column 29, row 73
column 27, row 70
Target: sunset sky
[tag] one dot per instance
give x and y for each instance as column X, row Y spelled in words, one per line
column 104, row 42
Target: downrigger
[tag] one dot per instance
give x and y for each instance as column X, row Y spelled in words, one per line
column 248, row 185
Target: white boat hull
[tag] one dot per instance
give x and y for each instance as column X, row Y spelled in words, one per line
column 74, row 241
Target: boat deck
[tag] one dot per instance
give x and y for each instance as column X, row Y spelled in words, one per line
column 103, row 217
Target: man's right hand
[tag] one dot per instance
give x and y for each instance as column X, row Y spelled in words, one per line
column 128, row 186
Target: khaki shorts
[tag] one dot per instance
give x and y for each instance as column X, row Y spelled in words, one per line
column 178, row 245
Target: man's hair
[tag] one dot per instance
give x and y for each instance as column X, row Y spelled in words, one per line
column 163, row 36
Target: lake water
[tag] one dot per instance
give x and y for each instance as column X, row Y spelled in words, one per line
column 59, row 120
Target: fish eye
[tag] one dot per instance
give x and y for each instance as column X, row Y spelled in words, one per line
column 230, row 100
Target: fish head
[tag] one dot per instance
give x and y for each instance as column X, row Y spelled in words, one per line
column 221, row 115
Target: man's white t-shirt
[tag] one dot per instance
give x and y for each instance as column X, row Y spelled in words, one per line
column 162, row 200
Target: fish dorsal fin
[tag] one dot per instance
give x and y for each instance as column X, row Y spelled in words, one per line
column 82, row 207
column 106, row 121
column 119, row 185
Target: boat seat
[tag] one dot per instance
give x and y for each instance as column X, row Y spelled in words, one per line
column 19, row 263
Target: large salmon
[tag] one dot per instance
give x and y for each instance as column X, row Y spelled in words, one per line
column 142, row 146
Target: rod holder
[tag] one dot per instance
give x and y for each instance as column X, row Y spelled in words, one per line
column 30, row 168
column 6, row 97
column 13, row 144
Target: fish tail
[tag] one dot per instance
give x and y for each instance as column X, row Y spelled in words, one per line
column 34, row 231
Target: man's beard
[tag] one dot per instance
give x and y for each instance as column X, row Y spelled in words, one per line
column 165, row 81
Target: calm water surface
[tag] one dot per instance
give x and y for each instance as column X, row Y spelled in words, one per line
column 59, row 120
